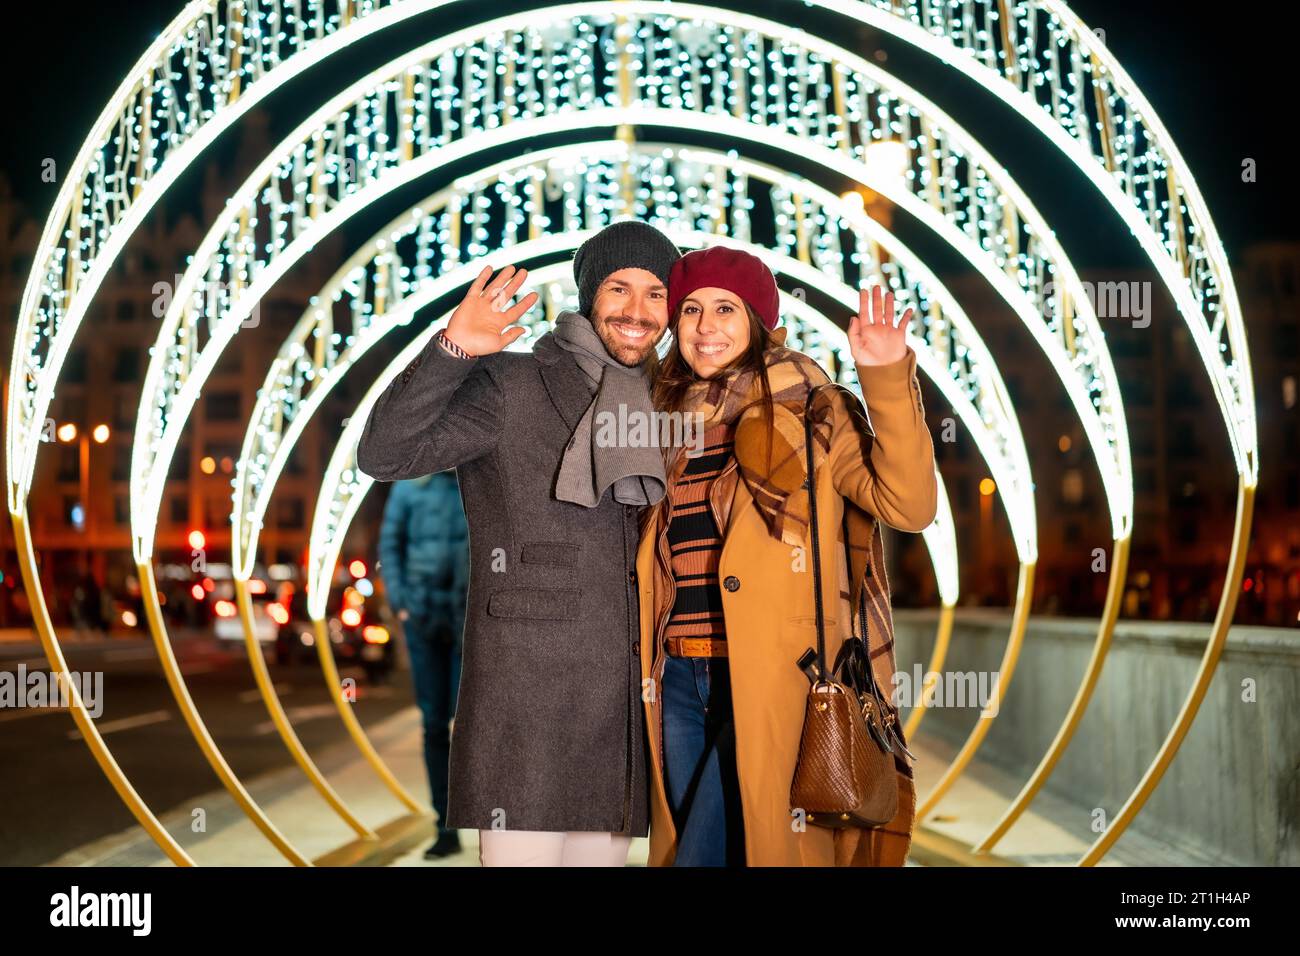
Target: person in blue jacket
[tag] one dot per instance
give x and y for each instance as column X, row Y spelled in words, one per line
column 424, row 562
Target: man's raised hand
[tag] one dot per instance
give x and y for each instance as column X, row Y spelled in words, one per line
column 483, row 323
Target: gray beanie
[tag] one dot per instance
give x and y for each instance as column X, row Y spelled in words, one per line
column 623, row 245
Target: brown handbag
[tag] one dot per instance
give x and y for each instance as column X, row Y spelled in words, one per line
column 845, row 774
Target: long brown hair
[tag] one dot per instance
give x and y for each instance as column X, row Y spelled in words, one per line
column 675, row 375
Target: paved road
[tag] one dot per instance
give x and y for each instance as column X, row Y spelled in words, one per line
column 53, row 796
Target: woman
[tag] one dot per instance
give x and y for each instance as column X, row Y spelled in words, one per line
column 726, row 586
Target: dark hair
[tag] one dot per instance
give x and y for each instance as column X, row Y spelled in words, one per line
column 675, row 375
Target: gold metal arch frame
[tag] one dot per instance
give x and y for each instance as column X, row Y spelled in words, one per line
column 344, row 486
column 1056, row 72
column 235, row 238
column 302, row 375
column 321, row 334
column 149, row 132
column 225, row 257
column 80, row 257
column 365, row 291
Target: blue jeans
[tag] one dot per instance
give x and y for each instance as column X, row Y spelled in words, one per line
column 700, row 762
column 435, row 671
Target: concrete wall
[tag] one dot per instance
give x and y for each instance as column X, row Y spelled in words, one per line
column 1231, row 795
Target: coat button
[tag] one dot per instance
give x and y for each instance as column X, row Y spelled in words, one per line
column 636, row 649
column 731, row 583
column 631, row 575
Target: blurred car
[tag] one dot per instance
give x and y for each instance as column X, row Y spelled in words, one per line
column 296, row 643
column 268, row 614
column 354, row 638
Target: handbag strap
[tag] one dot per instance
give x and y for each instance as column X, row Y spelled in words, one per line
column 811, row 485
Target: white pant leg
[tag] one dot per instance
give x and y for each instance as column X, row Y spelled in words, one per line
column 520, row 848
column 587, row 848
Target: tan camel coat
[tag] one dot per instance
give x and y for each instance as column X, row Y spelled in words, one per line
column 770, row 619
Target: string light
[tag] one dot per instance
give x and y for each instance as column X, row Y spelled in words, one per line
column 415, row 245
column 621, row 65
column 185, row 89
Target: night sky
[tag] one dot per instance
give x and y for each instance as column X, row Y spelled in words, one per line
column 1223, row 87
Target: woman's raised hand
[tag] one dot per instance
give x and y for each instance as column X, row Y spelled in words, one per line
column 481, row 323
column 874, row 337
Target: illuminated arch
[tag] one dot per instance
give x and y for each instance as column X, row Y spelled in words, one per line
column 344, row 486
column 228, row 257
column 227, row 264
column 123, row 169
column 1051, row 68
column 315, row 355
column 242, row 255
column 367, row 288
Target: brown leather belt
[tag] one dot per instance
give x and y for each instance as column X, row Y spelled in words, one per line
column 695, row 647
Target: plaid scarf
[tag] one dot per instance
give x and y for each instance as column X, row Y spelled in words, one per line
column 772, row 461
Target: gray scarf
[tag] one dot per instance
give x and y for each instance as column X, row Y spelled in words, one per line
column 635, row 471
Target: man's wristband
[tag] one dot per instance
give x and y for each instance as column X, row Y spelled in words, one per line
column 451, row 346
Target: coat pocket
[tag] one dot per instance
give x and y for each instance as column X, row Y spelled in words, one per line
column 557, row 554
column 809, row 622
column 536, row 604
column 798, row 634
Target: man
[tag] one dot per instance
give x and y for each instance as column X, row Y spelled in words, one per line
column 547, row 759
column 424, row 559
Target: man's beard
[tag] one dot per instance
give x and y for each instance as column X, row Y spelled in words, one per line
column 621, row 352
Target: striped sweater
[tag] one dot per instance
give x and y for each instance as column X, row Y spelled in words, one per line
column 695, row 542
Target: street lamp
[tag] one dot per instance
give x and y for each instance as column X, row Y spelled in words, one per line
column 888, row 158
column 83, row 516
column 987, row 487
column 886, row 161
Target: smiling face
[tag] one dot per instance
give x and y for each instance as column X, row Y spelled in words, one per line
column 630, row 314
column 712, row 331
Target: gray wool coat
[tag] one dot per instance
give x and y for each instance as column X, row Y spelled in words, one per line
column 549, row 731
